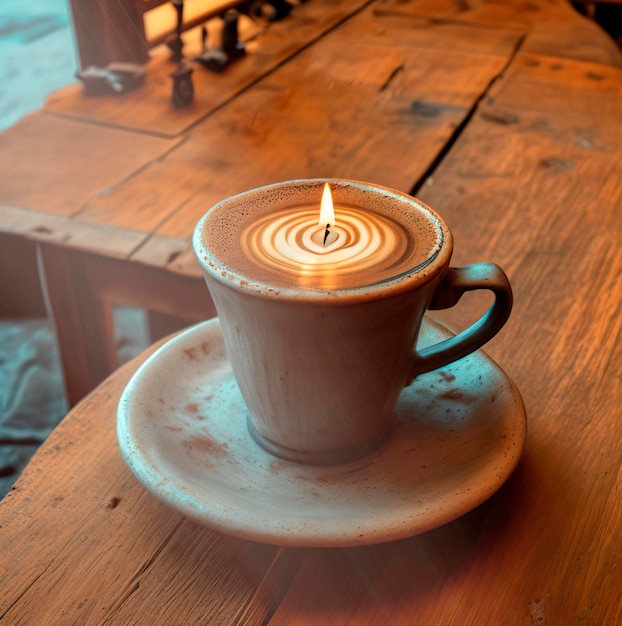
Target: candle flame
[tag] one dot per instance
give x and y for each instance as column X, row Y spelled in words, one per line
column 327, row 210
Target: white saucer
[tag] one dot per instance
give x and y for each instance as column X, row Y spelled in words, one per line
column 182, row 431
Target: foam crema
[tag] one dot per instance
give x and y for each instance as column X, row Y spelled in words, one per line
column 274, row 237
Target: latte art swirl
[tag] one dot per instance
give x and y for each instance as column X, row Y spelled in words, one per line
column 289, row 244
column 268, row 240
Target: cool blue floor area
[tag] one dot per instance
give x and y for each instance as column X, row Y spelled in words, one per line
column 37, row 54
column 37, row 57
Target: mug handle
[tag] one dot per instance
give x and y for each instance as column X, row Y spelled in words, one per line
column 452, row 286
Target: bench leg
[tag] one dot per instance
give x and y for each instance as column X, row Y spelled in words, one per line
column 82, row 321
column 20, row 292
column 81, row 289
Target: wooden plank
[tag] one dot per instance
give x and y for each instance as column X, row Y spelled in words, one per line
column 583, row 90
column 551, row 176
column 55, row 165
column 83, row 322
column 523, row 188
column 532, row 183
column 176, row 255
column 144, row 201
column 149, row 108
column 48, row 228
column 561, row 162
column 569, row 35
column 372, row 111
column 186, row 264
column 159, row 251
column 262, row 143
column 420, row 32
column 91, row 545
column 466, row 76
column 395, row 583
column 285, row 133
column 216, row 154
column 551, row 28
column 504, row 15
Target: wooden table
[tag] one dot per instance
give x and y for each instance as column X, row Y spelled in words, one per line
column 109, row 189
column 506, row 117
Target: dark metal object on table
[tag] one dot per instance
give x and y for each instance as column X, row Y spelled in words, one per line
column 203, row 38
column 230, row 42
column 176, row 44
column 183, row 89
column 205, row 58
column 231, row 49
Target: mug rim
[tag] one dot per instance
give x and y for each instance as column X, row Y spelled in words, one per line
column 437, row 261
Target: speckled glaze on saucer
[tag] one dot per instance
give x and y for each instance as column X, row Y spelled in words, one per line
column 182, row 430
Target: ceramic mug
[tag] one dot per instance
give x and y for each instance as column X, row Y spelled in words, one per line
column 320, row 321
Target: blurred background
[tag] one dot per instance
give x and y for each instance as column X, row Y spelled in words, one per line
column 37, row 55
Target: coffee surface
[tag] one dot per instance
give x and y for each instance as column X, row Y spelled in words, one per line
column 285, row 246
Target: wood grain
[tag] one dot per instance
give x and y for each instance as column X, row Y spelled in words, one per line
column 388, row 97
column 552, row 554
column 496, row 15
column 407, row 30
column 531, row 180
column 565, row 88
column 55, row 165
column 78, row 235
column 93, row 564
column 338, row 109
column 159, row 251
column 551, row 28
column 522, row 184
column 532, row 186
column 83, row 322
column 569, row 35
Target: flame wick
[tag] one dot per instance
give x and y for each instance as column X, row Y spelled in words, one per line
column 326, row 233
